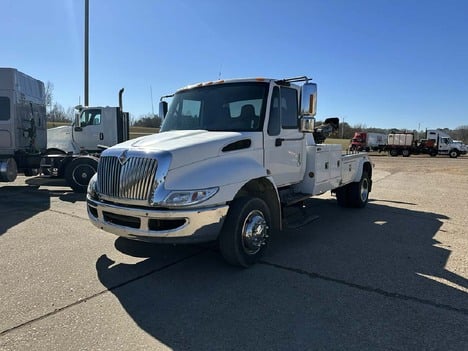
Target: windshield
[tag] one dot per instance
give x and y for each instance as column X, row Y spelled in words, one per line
column 223, row 107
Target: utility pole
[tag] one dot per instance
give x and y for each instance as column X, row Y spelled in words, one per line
column 152, row 104
column 86, row 54
column 342, row 128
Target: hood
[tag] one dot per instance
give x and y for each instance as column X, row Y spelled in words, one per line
column 189, row 146
column 61, row 138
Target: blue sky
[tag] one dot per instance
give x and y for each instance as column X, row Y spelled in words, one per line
column 380, row 63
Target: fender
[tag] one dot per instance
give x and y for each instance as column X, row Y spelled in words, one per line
column 364, row 163
column 60, row 138
column 230, row 173
column 360, row 167
column 216, row 171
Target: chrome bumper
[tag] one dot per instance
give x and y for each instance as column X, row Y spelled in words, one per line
column 156, row 225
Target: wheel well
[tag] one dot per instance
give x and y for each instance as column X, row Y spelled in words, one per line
column 264, row 189
column 54, row 151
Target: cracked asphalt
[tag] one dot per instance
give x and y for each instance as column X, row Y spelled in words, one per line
column 391, row 276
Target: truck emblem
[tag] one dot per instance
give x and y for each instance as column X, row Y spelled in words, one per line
column 123, row 157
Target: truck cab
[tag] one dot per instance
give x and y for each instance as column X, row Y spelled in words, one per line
column 443, row 144
column 23, row 125
column 230, row 156
column 93, row 127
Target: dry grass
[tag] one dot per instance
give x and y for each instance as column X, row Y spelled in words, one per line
column 343, row 142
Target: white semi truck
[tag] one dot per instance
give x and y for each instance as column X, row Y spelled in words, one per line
column 231, row 155
column 27, row 146
column 437, row 142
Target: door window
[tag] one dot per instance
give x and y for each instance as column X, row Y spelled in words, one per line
column 90, row 117
column 274, row 124
column 289, row 110
column 283, row 110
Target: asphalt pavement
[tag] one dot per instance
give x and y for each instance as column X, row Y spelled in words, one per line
column 391, row 276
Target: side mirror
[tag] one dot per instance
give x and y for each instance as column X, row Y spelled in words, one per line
column 307, row 124
column 334, row 122
column 162, row 109
column 76, row 124
column 309, row 99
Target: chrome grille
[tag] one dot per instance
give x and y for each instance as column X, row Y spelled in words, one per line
column 132, row 181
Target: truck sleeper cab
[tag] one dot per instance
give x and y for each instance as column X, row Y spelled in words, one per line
column 229, row 157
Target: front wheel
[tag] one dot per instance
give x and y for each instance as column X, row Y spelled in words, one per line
column 79, row 172
column 453, row 153
column 246, row 231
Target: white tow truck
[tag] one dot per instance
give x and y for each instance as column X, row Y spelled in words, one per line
column 230, row 156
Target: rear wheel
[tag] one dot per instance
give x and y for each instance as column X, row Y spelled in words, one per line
column 394, row 152
column 342, row 196
column 358, row 192
column 246, row 230
column 78, row 173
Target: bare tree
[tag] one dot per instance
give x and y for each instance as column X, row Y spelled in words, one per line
column 149, row 120
column 57, row 114
column 49, row 89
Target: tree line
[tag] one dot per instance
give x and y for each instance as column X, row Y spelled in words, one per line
column 346, row 131
column 57, row 113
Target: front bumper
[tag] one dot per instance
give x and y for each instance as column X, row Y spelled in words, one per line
column 157, row 225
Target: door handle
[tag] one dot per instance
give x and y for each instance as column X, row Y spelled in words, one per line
column 101, row 136
column 279, row 141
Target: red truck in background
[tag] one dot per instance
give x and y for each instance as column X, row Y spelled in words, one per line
column 366, row 141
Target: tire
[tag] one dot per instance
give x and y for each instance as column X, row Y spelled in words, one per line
column 31, row 172
column 405, row 153
column 342, row 196
column 247, row 215
column 358, row 192
column 453, row 153
column 394, row 152
column 78, row 173
column 433, row 153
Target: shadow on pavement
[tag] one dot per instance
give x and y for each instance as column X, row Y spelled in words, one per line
column 21, row 202
column 350, row 280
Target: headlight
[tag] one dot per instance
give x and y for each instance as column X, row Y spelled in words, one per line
column 92, row 192
column 188, row 197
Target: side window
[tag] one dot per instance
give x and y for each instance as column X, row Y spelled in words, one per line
column 274, row 121
column 90, row 117
column 4, row 108
column 289, row 110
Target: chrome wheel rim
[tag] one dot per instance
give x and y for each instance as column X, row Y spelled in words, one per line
column 364, row 189
column 254, row 232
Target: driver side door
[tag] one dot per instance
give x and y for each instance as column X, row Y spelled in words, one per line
column 283, row 142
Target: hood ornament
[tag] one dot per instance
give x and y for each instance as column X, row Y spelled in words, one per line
column 123, row 157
